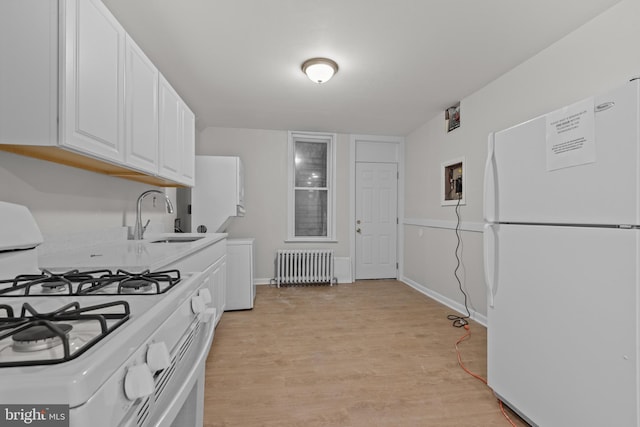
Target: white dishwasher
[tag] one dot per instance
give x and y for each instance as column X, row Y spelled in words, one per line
column 241, row 287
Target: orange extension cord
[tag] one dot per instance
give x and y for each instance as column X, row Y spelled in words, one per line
column 476, row 376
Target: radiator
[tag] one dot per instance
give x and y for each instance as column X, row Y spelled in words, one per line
column 304, row 266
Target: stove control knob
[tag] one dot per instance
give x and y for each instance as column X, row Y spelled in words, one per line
column 197, row 305
column 205, row 294
column 138, row 382
column 158, row 357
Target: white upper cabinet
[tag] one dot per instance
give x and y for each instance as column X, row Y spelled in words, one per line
column 93, row 55
column 141, row 110
column 28, row 72
column 188, row 171
column 177, row 137
column 170, row 132
column 76, row 89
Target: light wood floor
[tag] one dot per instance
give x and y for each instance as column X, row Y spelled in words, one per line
column 373, row 353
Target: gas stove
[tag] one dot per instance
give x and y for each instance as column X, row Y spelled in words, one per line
column 94, row 282
column 116, row 348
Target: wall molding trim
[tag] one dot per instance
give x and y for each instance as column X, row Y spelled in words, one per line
column 480, row 318
column 475, row 227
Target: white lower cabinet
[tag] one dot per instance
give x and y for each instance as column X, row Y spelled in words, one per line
column 217, row 282
column 212, row 260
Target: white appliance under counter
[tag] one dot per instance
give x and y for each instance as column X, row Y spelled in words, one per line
column 241, row 286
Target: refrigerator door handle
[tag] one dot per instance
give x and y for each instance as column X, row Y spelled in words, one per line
column 489, row 205
column 489, row 241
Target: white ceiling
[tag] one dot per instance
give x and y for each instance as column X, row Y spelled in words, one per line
column 237, row 62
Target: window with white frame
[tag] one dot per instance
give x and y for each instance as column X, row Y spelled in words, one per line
column 311, row 186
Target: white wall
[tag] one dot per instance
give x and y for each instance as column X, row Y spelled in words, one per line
column 600, row 55
column 65, row 200
column 264, row 154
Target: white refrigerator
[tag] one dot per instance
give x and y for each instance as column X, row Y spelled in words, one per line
column 562, row 220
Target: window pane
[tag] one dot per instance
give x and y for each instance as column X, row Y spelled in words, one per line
column 311, row 213
column 311, row 164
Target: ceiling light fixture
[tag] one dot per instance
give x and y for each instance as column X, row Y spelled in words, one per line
column 319, row 70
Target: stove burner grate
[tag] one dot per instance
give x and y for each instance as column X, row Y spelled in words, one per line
column 50, row 283
column 132, row 283
column 8, row 310
column 96, row 282
column 33, row 331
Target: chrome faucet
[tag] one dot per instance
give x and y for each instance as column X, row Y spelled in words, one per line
column 138, row 231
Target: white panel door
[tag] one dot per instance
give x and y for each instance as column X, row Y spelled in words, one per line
column 562, row 323
column 141, row 110
column 94, row 81
column 170, row 156
column 376, row 220
column 603, row 192
column 188, row 172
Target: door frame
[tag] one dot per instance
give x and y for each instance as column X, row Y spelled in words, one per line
column 370, row 148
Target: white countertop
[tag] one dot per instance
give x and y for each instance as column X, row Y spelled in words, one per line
column 129, row 255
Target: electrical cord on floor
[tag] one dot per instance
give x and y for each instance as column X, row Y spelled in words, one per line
column 463, row 321
column 476, row 376
column 459, row 321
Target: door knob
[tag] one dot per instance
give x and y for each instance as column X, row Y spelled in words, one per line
column 358, row 230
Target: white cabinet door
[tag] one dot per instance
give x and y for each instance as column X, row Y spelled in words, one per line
column 170, row 132
column 188, row 146
column 220, row 284
column 177, row 137
column 141, row 110
column 94, row 81
column 28, row 72
column 216, row 280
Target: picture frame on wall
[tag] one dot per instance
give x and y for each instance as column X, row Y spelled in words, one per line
column 452, row 117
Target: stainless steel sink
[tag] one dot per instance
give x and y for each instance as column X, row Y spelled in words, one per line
column 178, row 239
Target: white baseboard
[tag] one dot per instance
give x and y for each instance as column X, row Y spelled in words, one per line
column 454, row 305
